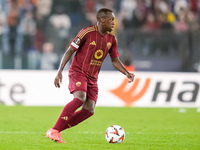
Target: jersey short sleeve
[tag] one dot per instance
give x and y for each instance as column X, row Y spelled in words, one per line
column 81, row 37
column 78, row 40
column 114, row 49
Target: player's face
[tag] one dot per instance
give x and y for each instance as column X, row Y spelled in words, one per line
column 110, row 22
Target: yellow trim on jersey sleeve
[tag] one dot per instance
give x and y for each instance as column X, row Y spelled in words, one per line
column 84, row 32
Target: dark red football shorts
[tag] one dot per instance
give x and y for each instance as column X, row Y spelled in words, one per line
column 80, row 82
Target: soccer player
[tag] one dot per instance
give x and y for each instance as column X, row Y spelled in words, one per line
column 90, row 46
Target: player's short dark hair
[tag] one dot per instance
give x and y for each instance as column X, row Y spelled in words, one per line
column 102, row 13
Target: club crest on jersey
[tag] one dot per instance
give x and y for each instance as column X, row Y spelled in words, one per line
column 78, row 84
column 109, row 45
column 77, row 40
column 98, row 54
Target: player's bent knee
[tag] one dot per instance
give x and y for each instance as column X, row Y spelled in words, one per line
column 80, row 95
column 89, row 105
column 91, row 109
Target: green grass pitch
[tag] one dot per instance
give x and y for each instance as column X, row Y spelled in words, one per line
column 24, row 128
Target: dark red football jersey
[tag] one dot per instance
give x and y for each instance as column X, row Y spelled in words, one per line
column 91, row 49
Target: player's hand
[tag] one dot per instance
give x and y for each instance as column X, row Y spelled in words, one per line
column 58, row 80
column 130, row 77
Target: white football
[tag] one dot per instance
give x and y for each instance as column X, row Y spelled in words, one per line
column 115, row 134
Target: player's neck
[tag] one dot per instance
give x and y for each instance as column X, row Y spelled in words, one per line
column 101, row 30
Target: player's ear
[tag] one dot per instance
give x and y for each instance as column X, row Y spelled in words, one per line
column 102, row 19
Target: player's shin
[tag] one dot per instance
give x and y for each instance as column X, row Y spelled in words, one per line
column 67, row 112
column 78, row 117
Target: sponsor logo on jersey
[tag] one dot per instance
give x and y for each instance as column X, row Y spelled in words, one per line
column 95, row 62
column 98, row 54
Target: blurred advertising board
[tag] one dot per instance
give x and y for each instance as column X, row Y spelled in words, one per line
column 149, row 89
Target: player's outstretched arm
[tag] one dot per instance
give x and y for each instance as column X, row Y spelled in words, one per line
column 120, row 67
column 66, row 57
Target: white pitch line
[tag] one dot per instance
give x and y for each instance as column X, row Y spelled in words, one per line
column 25, row 132
column 22, row 132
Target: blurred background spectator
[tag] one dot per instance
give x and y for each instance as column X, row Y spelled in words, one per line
column 49, row 59
column 59, row 26
column 154, row 35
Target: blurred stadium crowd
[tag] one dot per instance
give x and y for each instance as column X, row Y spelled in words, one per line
column 153, row 35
